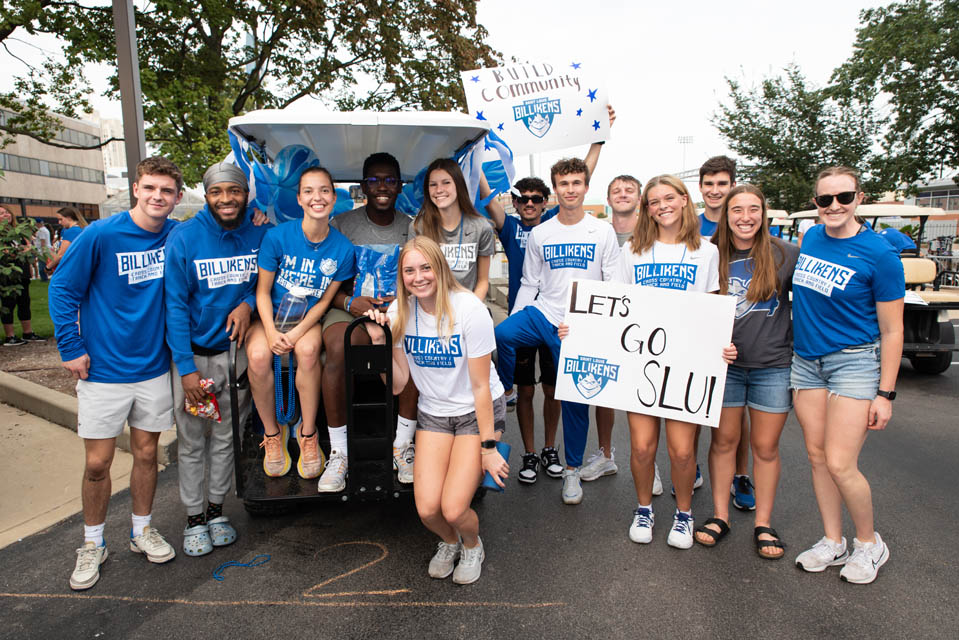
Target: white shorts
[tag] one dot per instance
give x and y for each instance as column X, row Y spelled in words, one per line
column 104, row 407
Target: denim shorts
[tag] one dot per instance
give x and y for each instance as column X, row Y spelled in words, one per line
column 852, row 372
column 464, row 425
column 761, row 389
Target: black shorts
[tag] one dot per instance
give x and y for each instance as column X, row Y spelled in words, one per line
column 525, row 371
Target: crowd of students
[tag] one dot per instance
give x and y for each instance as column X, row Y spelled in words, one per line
column 832, row 349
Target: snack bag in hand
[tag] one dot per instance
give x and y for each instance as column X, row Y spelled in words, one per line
column 209, row 408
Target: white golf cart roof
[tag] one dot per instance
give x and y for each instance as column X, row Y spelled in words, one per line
column 881, row 211
column 343, row 140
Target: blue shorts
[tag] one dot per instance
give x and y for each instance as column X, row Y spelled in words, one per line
column 852, row 372
column 761, row 389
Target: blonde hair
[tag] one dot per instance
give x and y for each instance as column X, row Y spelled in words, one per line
column 445, row 285
column 646, row 230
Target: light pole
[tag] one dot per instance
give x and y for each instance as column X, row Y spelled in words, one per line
column 685, row 141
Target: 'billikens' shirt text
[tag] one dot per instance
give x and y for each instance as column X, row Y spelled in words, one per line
column 297, row 271
column 665, row 276
column 140, row 266
column 821, row 275
column 433, row 352
column 569, row 255
column 220, row 272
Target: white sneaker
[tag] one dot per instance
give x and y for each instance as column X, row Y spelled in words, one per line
column 657, row 481
column 598, row 465
column 403, row 462
column 152, row 544
column 681, row 535
column 87, row 571
column 441, row 564
column 824, row 553
column 470, row 565
column 334, row 477
column 641, row 530
column 572, row 488
column 863, row 565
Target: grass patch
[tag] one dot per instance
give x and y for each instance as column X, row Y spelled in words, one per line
column 39, row 312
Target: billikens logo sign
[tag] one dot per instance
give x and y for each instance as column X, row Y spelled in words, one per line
column 140, row 266
column 820, row 275
column 590, row 374
column 665, row 276
column 433, row 352
column 220, row 272
column 569, row 256
column 537, row 114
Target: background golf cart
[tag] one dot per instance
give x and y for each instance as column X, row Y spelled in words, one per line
column 929, row 337
column 276, row 146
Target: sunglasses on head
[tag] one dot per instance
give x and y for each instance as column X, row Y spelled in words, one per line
column 846, row 197
column 389, row 182
column 525, row 199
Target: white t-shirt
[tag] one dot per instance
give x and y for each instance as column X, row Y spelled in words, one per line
column 807, row 224
column 439, row 367
column 557, row 253
column 672, row 266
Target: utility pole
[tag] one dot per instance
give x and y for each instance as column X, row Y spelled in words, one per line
column 131, row 102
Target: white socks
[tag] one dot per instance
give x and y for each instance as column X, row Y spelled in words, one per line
column 94, row 534
column 338, row 438
column 405, row 430
column 141, row 522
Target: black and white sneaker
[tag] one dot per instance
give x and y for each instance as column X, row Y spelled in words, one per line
column 13, row 341
column 551, row 463
column 32, row 337
column 527, row 475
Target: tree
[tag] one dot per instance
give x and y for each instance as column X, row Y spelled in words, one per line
column 203, row 63
column 785, row 131
column 906, row 55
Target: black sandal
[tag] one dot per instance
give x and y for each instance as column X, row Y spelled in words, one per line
column 777, row 543
column 715, row 535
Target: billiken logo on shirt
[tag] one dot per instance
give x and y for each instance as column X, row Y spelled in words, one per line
column 521, row 237
column 569, row 255
column 220, row 272
column 140, row 266
column 666, row 276
column 433, row 352
column 459, row 256
column 590, row 374
column 305, row 275
column 821, row 275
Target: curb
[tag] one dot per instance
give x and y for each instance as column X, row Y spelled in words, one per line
column 61, row 409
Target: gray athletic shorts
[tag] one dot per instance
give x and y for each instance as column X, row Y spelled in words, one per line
column 464, row 425
column 104, row 407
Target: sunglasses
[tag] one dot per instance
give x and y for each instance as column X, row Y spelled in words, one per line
column 389, row 182
column 525, row 199
column 846, row 197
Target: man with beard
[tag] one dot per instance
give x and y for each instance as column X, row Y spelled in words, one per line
column 210, row 294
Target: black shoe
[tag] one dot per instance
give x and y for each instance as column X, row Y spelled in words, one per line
column 13, row 341
column 551, row 462
column 527, row 475
column 32, row 337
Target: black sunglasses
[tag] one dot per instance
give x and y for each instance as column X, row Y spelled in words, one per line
column 846, row 197
column 525, row 199
column 389, row 182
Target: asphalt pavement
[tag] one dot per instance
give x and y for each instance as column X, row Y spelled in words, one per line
column 551, row 571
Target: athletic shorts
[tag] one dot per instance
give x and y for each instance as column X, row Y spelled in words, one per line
column 335, row 316
column 525, row 370
column 464, row 425
column 852, row 372
column 761, row 389
column 104, row 407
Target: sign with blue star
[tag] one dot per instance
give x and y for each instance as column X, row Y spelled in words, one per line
column 541, row 106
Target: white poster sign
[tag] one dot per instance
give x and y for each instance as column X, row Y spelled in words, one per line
column 646, row 350
column 540, row 106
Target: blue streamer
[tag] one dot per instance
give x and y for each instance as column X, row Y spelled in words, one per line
column 255, row 562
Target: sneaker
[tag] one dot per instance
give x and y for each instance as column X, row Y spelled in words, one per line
column 13, row 341
column 863, row 565
column 572, row 489
column 551, row 464
column 311, row 459
column 657, row 481
column 152, row 545
column 32, row 337
column 87, row 571
column 743, row 497
column 681, row 535
column 598, row 465
column 824, row 553
column 510, row 400
column 641, row 530
column 403, row 462
column 697, row 483
column 334, row 478
column 276, row 459
column 527, row 475
column 441, row 564
column 470, row 565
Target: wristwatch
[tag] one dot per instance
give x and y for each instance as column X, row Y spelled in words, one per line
column 488, row 444
column 888, row 395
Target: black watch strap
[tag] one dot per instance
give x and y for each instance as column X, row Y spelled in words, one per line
column 888, row 395
column 488, row 444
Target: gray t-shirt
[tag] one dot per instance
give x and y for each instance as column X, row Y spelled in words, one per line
column 621, row 238
column 371, row 279
column 478, row 239
column 762, row 331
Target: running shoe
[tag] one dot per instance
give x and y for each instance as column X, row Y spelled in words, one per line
column 13, row 341
column 551, row 464
column 151, row 544
column 743, row 497
column 276, row 458
column 334, row 478
column 681, row 535
column 87, row 571
column 823, row 554
column 441, row 564
column 863, row 565
column 510, row 400
column 32, row 337
column 641, row 530
column 657, row 481
column 529, row 472
column 470, row 565
column 403, row 462
column 310, row 463
column 598, row 465
column 572, row 488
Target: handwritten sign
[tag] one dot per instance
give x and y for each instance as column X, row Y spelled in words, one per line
column 540, row 106
column 646, row 350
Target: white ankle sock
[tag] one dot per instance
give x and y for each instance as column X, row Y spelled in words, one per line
column 140, row 522
column 94, row 534
column 338, row 438
column 405, row 431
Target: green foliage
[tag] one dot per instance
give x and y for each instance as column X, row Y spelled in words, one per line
column 906, row 55
column 16, row 252
column 205, row 62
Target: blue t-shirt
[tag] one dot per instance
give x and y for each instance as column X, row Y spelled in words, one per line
column 70, row 234
column 513, row 236
column 297, row 262
column 836, row 285
column 706, row 226
column 899, row 241
column 106, row 300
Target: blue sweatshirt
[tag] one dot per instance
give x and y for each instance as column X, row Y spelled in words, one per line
column 209, row 271
column 106, row 300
